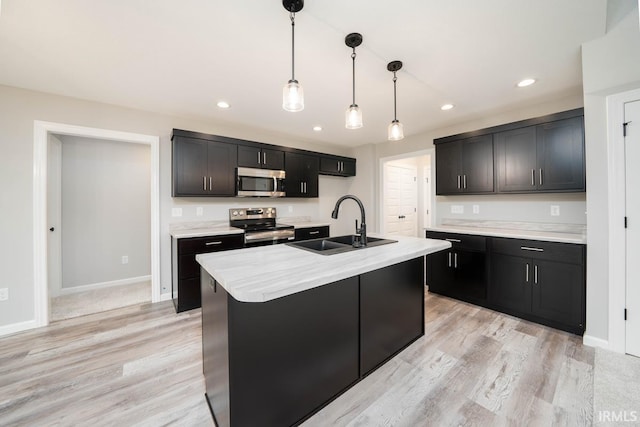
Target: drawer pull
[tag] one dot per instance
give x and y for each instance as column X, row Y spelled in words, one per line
column 213, row 243
column 455, row 260
column 449, row 259
column 453, row 240
column 527, row 248
column 314, row 232
column 526, row 274
column 535, row 274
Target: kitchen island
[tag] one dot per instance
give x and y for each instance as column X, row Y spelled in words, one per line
column 285, row 331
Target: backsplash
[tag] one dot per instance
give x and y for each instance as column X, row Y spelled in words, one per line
column 517, row 225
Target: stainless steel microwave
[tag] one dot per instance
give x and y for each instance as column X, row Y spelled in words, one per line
column 252, row 182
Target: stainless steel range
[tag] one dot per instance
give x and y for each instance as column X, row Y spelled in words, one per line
column 259, row 225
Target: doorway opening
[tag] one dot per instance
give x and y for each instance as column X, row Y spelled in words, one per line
column 47, row 208
column 406, row 192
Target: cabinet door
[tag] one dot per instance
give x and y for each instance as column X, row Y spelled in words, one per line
column 311, row 169
column 301, row 175
column 440, row 274
column 558, row 293
column 249, row 157
column 516, row 160
column 338, row 166
column 561, row 155
column 448, row 169
column 222, row 161
column 189, row 168
column 349, row 167
column 272, row 159
column 391, row 311
column 509, row 287
column 470, row 276
column 477, row 164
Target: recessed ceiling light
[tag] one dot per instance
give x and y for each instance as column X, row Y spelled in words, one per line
column 223, row 104
column 446, row 107
column 317, row 128
column 526, row 82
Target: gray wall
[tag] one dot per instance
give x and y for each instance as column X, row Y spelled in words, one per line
column 610, row 65
column 106, row 211
column 18, row 110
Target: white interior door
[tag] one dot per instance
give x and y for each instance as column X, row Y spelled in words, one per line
column 401, row 200
column 632, row 196
column 54, row 215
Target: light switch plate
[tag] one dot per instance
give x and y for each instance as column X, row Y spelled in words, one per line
column 176, row 212
column 457, row 209
column 199, row 211
column 555, row 210
column 125, row 259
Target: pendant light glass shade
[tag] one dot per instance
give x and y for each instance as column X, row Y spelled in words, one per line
column 353, row 117
column 293, row 96
column 395, row 131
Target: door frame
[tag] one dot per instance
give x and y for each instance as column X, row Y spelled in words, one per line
column 431, row 152
column 41, row 131
column 617, row 234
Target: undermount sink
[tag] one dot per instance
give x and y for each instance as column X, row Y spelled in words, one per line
column 336, row 245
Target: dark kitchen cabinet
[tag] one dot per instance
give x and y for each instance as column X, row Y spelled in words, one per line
column 202, row 167
column 548, row 157
column 460, row 272
column 337, row 166
column 465, row 166
column 185, row 283
column 301, row 175
column 540, row 281
column 308, row 233
column 256, row 157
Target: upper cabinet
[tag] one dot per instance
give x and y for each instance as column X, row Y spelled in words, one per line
column 337, row 166
column 465, row 166
column 544, row 154
column 548, row 157
column 256, row 157
column 203, row 168
column 301, row 175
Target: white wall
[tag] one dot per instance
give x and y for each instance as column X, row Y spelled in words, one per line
column 610, row 65
column 106, row 211
column 18, row 110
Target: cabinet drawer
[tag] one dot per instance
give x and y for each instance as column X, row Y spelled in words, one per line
column 312, row 232
column 535, row 249
column 199, row 245
column 461, row 241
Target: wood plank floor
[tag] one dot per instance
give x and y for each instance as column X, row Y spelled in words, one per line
column 141, row 366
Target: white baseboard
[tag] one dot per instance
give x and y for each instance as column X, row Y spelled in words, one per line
column 165, row 297
column 595, row 342
column 93, row 286
column 18, row 327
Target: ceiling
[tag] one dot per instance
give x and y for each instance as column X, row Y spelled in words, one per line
column 181, row 57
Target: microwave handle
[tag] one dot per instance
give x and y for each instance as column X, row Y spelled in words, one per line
column 275, row 183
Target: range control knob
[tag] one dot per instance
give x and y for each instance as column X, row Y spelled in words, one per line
column 235, row 213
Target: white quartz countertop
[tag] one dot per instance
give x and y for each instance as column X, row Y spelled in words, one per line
column 219, row 228
column 544, row 232
column 265, row 273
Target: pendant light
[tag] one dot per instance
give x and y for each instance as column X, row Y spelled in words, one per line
column 395, row 132
column 353, row 115
column 292, row 94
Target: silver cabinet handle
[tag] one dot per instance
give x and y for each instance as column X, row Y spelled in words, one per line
column 341, row 166
column 213, row 243
column 535, row 274
column 449, row 259
column 526, row 275
column 533, row 177
column 540, row 173
column 210, row 184
column 305, row 188
column 455, row 260
column 258, row 157
column 464, row 181
column 212, row 284
column 527, row 248
column 314, row 232
column 453, row 240
column 204, row 183
column 301, row 187
column 458, row 181
column 264, row 158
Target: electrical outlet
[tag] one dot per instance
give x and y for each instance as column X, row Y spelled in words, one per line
column 555, row 210
column 176, row 212
column 476, row 209
column 4, row 294
column 290, row 208
column 199, row 211
column 125, row 259
column 457, row 209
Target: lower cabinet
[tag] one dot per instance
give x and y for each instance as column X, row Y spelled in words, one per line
column 539, row 281
column 459, row 272
column 185, row 283
column 309, row 233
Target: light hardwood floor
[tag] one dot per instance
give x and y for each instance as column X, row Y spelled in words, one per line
column 141, row 365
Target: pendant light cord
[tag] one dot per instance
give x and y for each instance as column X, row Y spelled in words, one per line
column 353, row 57
column 395, row 115
column 293, row 45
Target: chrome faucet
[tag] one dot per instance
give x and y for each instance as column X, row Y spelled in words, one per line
column 360, row 239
